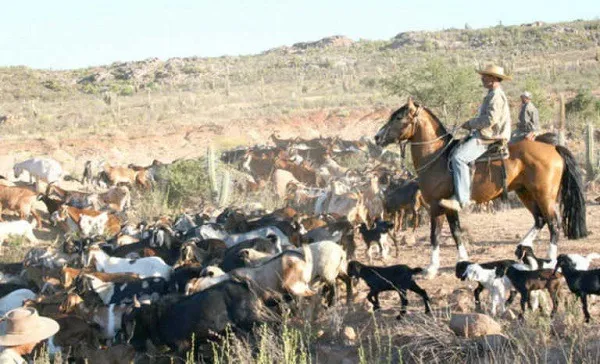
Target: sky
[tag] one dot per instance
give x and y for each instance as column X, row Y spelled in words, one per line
column 65, row 34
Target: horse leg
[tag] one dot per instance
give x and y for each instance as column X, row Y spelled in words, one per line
column 544, row 211
column 437, row 221
column 539, row 220
column 454, row 222
column 550, row 213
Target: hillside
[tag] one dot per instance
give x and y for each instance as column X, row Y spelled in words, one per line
column 306, row 89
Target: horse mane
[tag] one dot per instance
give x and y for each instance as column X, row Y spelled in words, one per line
column 404, row 109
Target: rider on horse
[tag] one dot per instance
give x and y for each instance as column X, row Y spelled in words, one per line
column 490, row 126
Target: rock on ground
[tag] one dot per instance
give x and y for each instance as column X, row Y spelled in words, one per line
column 473, row 325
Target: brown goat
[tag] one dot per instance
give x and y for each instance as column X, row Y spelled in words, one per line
column 68, row 276
column 118, row 174
column 19, row 200
column 65, row 213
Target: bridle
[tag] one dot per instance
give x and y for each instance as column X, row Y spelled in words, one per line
column 415, row 123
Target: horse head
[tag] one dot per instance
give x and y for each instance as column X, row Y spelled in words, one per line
column 400, row 126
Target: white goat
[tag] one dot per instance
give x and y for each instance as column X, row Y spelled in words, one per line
column 209, row 277
column 264, row 232
column 144, row 267
column 17, row 228
column 15, row 299
column 328, row 264
column 44, row 169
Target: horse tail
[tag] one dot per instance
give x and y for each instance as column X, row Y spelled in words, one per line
column 572, row 197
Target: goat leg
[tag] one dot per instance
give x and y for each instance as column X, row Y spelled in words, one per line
column 404, row 301
column 476, row 293
column 348, row 281
column 374, row 302
column 584, row 304
column 554, row 296
column 511, row 297
column 421, row 292
column 331, row 295
column 524, row 301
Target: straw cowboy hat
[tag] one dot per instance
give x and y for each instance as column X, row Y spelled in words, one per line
column 25, row 326
column 495, row 71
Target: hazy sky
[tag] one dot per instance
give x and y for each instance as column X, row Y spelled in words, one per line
column 78, row 33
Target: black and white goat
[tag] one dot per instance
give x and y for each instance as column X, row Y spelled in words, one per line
column 398, row 278
column 379, row 235
column 489, row 276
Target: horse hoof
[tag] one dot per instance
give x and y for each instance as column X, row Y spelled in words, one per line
column 430, row 272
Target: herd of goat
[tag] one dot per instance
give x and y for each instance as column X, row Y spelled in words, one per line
column 116, row 287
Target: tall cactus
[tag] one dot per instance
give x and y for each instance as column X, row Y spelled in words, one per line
column 225, row 187
column 589, row 152
column 212, row 171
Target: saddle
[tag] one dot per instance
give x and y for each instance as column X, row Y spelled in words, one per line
column 498, row 150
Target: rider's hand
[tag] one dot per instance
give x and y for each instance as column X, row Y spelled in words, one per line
column 530, row 136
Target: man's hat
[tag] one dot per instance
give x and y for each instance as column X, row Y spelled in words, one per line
column 526, row 94
column 24, row 326
column 496, row 71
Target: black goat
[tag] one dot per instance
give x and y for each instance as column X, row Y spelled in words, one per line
column 501, row 266
column 580, row 282
column 376, row 235
column 393, row 278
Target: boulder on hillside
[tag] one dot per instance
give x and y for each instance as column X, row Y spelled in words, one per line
column 334, row 41
column 473, row 325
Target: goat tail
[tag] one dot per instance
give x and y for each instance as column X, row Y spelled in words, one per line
column 417, row 270
column 572, row 197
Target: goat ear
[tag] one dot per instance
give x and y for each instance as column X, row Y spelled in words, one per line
column 410, row 103
column 136, row 303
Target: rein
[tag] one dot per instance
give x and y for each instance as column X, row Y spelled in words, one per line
column 439, row 154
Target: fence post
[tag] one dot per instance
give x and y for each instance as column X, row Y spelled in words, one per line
column 562, row 122
column 590, row 156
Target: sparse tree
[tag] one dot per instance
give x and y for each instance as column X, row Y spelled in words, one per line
column 451, row 90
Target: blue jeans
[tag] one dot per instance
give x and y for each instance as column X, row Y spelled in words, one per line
column 464, row 154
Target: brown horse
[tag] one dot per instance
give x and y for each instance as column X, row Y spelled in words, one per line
column 536, row 171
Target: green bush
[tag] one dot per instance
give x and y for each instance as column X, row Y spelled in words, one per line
column 185, row 182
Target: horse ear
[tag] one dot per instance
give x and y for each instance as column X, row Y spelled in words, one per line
column 411, row 104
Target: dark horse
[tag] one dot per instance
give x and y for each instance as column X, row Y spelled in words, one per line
column 536, row 171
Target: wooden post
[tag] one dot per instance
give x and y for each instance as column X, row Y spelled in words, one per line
column 562, row 122
column 590, row 156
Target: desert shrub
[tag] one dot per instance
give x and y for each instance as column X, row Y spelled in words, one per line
column 584, row 108
column 53, row 85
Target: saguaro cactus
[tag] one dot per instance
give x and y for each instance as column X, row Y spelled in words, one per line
column 590, row 156
column 211, row 171
column 562, row 123
column 224, row 192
